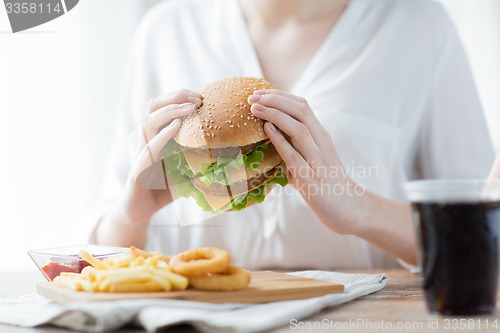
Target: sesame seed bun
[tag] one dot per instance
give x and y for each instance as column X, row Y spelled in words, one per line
column 224, row 119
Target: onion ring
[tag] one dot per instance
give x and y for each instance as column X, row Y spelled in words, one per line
column 201, row 261
column 234, row 278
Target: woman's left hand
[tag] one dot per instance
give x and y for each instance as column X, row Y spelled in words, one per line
column 313, row 166
column 315, row 170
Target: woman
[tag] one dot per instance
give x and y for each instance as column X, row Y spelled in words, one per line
column 379, row 91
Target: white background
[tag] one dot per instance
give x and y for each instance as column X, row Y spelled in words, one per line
column 59, row 85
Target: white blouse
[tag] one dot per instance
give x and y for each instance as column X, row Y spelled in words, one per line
column 390, row 83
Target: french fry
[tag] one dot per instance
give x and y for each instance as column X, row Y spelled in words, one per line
column 99, row 264
column 164, row 283
column 118, row 262
column 177, row 281
column 140, row 253
column 137, row 271
column 88, row 273
column 88, row 285
column 153, row 260
column 130, row 277
column 122, row 271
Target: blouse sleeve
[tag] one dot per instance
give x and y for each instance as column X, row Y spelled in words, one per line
column 454, row 138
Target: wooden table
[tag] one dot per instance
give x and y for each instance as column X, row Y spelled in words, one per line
column 399, row 307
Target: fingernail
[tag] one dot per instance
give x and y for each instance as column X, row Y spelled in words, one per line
column 272, row 127
column 260, row 92
column 257, row 107
column 175, row 122
column 195, row 94
column 185, row 106
column 195, row 100
column 254, row 98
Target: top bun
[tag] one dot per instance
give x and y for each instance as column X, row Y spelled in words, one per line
column 224, row 118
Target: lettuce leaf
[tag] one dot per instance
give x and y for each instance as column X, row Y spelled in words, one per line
column 217, row 172
column 187, row 189
column 254, row 159
column 180, row 175
column 175, row 160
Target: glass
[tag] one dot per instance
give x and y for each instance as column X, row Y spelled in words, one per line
column 457, row 235
column 51, row 262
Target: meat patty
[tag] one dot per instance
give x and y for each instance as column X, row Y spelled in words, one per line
column 227, row 152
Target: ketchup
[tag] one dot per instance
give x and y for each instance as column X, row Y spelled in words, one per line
column 52, row 269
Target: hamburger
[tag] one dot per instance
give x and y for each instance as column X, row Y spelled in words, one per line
column 221, row 155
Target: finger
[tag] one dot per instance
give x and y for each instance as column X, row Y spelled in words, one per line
column 298, row 132
column 171, row 111
column 278, row 92
column 296, row 165
column 159, row 141
column 155, row 121
column 176, row 97
column 295, row 106
column 296, row 109
column 147, row 169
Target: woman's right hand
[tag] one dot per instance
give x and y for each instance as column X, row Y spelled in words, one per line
column 146, row 190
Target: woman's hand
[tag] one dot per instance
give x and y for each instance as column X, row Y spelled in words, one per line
column 315, row 170
column 308, row 152
column 146, row 190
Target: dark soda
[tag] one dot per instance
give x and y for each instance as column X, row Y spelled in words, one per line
column 459, row 255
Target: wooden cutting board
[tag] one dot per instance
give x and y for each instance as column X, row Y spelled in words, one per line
column 266, row 286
